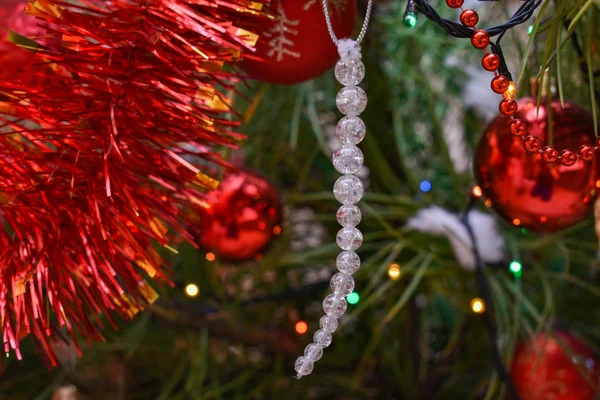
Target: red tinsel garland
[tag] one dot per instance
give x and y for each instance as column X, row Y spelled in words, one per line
column 97, row 138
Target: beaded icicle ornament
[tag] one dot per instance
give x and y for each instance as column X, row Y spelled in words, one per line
column 348, row 189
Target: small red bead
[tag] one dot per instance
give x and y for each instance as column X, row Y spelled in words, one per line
column 586, row 152
column 532, row 144
column 518, row 127
column 490, row 62
column 480, row 40
column 500, row 84
column 455, row 3
column 469, row 18
column 549, row 154
column 568, row 158
column 508, row 107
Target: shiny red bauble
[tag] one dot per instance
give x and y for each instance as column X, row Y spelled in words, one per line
column 241, row 218
column 296, row 46
column 13, row 17
column 543, row 370
column 525, row 189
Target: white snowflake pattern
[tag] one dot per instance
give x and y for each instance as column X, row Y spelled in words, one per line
column 280, row 44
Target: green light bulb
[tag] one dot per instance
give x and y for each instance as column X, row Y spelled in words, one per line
column 516, row 268
column 353, row 298
column 410, row 19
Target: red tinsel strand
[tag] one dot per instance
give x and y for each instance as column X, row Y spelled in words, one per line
column 105, row 139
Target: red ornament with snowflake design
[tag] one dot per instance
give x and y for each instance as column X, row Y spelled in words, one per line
column 296, row 46
column 559, row 367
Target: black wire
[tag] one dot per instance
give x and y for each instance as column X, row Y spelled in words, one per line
column 455, row 29
column 483, row 287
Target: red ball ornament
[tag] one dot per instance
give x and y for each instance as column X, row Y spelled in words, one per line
column 296, row 45
column 242, row 216
column 543, row 370
column 543, row 197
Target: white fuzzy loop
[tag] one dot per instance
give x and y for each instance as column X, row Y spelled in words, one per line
column 349, row 49
column 437, row 221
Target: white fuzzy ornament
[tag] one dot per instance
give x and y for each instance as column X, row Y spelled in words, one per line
column 348, row 49
column 437, row 221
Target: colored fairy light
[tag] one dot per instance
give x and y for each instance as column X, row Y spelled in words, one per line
column 530, row 30
column 210, row 256
column 353, row 298
column 425, row 186
column 516, row 268
column 394, row 272
column 192, row 290
column 511, row 92
column 410, row 20
column 477, row 305
column 477, row 192
column 301, row 327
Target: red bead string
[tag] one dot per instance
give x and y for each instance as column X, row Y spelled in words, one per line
column 508, row 106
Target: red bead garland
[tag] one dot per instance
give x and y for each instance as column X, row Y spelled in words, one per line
column 480, row 40
column 500, row 84
column 490, row 62
column 549, row 154
column 455, row 3
column 469, row 18
column 508, row 106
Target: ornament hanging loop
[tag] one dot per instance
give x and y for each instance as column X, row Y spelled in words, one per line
column 363, row 30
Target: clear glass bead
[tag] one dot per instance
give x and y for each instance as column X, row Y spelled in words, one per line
column 328, row 323
column 348, row 159
column 322, row 338
column 349, row 238
column 304, row 366
column 334, row 306
column 349, row 72
column 351, row 100
column 351, row 129
column 348, row 189
column 348, row 262
column 342, row 284
column 348, row 216
column 313, row 352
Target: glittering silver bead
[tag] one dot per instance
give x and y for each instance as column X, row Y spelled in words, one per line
column 349, row 72
column 349, row 238
column 348, row 215
column 348, row 189
column 322, row 338
column 342, row 284
column 348, row 159
column 351, row 129
column 334, row 306
column 348, row 262
column 351, row 100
